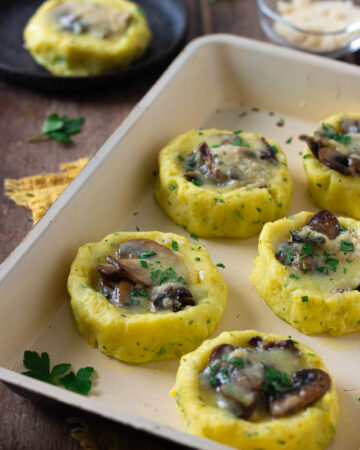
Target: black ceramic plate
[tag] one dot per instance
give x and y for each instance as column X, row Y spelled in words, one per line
column 167, row 20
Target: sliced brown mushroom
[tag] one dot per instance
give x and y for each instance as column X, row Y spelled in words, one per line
column 144, row 249
column 206, row 156
column 121, row 294
column 240, row 389
column 110, row 275
column 311, row 143
column 269, row 152
column 291, row 254
column 193, row 176
column 133, row 270
column 325, row 222
column 330, row 157
column 306, row 234
column 309, row 386
column 219, row 351
column 286, row 344
column 172, row 298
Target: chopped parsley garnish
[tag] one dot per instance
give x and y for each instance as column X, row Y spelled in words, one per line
column 274, row 149
column 251, row 153
column 290, row 255
column 329, row 132
column 306, row 250
column 30, row 195
column 307, row 156
column 331, row 262
column 59, row 128
column 289, row 140
column 238, row 132
column 221, row 265
column 197, row 258
column 219, row 200
column 147, row 254
column 321, row 269
column 346, row 246
column 39, row 368
column 172, row 187
column 281, row 120
column 139, row 293
column 237, row 362
column 144, row 264
column 215, row 146
column 174, row 246
column 165, row 276
column 342, row 228
column 292, row 275
column 238, row 141
column 277, row 380
column 305, row 298
column 181, row 158
column 197, row 182
column 194, row 236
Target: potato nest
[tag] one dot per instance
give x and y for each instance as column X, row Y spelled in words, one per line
column 73, row 50
column 310, row 428
column 208, row 210
column 141, row 337
column 328, row 188
column 306, row 301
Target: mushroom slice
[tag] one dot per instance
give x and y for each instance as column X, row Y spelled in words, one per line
column 309, row 386
column 240, row 389
column 193, row 176
column 206, row 156
column 325, row 222
column 144, row 249
column 171, row 297
column 269, row 152
column 133, row 270
column 311, row 143
column 121, row 293
column 219, row 351
column 306, row 234
column 291, row 254
column 334, row 159
column 109, row 273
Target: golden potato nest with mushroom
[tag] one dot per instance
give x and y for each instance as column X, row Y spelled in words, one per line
column 308, row 272
column 332, row 164
column 145, row 296
column 252, row 390
column 86, row 37
column 223, row 183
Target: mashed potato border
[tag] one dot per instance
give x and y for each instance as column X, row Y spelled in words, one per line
column 328, row 188
column 311, row 428
column 67, row 54
column 150, row 336
column 239, row 213
column 334, row 313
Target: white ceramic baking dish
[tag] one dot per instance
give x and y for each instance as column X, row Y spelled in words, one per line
column 221, row 81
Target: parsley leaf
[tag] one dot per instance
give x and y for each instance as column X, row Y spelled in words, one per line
column 278, row 380
column 79, row 382
column 174, row 246
column 39, row 368
column 306, row 250
column 346, row 246
column 147, row 254
column 59, row 129
column 329, row 132
column 290, row 255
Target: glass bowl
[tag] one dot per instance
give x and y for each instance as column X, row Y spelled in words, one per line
column 334, row 43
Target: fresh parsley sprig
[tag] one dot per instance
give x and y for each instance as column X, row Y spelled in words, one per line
column 59, row 128
column 39, row 368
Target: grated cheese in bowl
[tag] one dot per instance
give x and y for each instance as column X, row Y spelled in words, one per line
column 321, row 17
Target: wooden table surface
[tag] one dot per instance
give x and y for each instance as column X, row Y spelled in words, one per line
column 24, row 423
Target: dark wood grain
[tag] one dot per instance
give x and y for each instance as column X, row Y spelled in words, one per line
column 26, row 424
